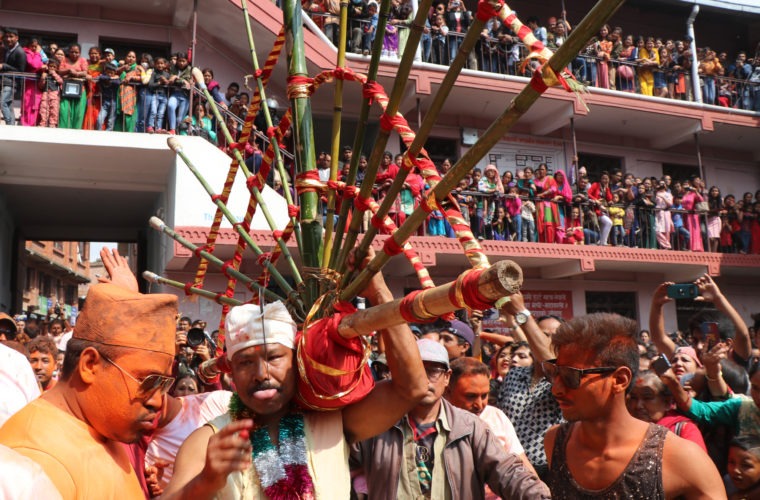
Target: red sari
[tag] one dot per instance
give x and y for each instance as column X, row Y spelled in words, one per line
column 547, row 215
column 93, row 97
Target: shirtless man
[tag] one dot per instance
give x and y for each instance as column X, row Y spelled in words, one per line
column 603, row 451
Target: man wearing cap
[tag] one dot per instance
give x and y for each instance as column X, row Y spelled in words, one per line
column 13, row 62
column 458, row 339
column 265, row 446
column 8, row 328
column 111, row 388
column 439, row 451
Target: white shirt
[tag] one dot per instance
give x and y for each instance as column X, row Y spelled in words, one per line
column 502, row 429
column 18, row 385
column 197, row 409
column 22, row 478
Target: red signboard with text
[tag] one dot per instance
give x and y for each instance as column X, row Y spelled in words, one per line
column 539, row 303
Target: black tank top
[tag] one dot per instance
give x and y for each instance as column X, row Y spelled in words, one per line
column 641, row 479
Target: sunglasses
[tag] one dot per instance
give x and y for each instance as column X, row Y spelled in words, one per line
column 148, row 385
column 571, row 377
column 434, row 372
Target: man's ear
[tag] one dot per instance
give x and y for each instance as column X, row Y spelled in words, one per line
column 622, row 379
column 90, row 363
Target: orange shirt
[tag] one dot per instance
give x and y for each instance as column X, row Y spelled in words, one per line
column 81, row 465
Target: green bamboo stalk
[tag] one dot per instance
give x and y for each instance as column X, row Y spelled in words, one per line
column 176, row 146
column 519, row 105
column 303, row 135
column 152, row 277
column 198, row 75
column 337, row 111
column 361, row 127
column 250, row 283
column 268, row 118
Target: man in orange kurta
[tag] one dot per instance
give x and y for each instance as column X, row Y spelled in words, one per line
column 113, row 380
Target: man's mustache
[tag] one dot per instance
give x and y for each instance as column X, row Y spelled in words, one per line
column 263, row 386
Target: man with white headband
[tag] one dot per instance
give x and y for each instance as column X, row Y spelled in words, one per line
column 264, row 447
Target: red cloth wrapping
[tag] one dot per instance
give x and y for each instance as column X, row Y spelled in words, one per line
column 331, row 374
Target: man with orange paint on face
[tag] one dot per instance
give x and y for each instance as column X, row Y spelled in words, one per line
column 112, row 385
column 603, row 451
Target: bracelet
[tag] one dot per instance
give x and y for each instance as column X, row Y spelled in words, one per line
column 720, row 374
column 502, row 301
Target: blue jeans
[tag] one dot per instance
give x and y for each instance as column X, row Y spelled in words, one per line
column 681, row 238
column 709, row 97
column 618, row 235
column 426, row 46
column 517, row 226
column 454, row 43
column 178, row 104
column 590, row 236
column 107, row 114
column 157, row 110
column 144, row 99
column 528, row 232
column 6, row 103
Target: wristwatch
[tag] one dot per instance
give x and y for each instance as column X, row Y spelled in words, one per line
column 522, row 317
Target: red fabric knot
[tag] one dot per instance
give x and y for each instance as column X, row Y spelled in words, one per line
column 258, row 73
column 486, row 10
column 253, row 181
column 537, row 82
column 263, row 258
column 336, row 185
column 370, row 89
column 277, row 234
column 218, row 298
column 200, row 249
column 188, row 286
column 362, row 204
column 226, row 266
column 391, row 247
column 294, row 81
column 406, row 308
column 215, row 197
column 377, row 222
column 271, row 131
column 293, row 210
column 472, row 296
column 237, row 145
column 350, row 192
column 429, row 204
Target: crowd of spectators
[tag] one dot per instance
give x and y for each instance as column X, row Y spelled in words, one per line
column 613, row 209
column 612, row 59
column 59, row 88
column 700, row 383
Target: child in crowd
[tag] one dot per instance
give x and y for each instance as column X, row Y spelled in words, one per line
column 513, row 205
column 681, row 235
column 109, row 91
column 528, row 216
column 574, row 229
column 464, row 200
column 370, row 28
column 744, row 467
column 158, row 94
column 617, row 213
column 500, row 225
column 50, row 85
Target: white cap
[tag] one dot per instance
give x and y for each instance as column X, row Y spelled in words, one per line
column 247, row 327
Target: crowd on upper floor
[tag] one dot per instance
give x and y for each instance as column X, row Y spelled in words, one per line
column 612, row 59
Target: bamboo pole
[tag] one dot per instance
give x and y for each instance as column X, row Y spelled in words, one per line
column 361, row 128
column 268, row 119
column 198, row 75
column 519, row 105
column 473, row 35
column 334, row 151
column 501, row 279
column 303, row 135
column 399, row 87
column 152, row 277
column 250, row 283
column 176, row 146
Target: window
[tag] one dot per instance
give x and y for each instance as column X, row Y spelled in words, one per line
column 46, row 285
column 31, row 279
column 70, row 297
column 58, row 245
column 596, row 164
column 622, row 303
column 679, row 172
column 439, row 149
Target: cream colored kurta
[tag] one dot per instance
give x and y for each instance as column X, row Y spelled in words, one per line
column 327, row 455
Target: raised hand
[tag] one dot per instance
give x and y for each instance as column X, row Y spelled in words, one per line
column 229, row 450
column 118, row 270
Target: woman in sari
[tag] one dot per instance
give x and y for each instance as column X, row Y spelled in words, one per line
column 547, row 215
column 32, row 93
column 691, row 220
column 126, row 110
column 74, row 69
column 94, row 68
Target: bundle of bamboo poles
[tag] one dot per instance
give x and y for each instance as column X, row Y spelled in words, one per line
column 324, row 249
